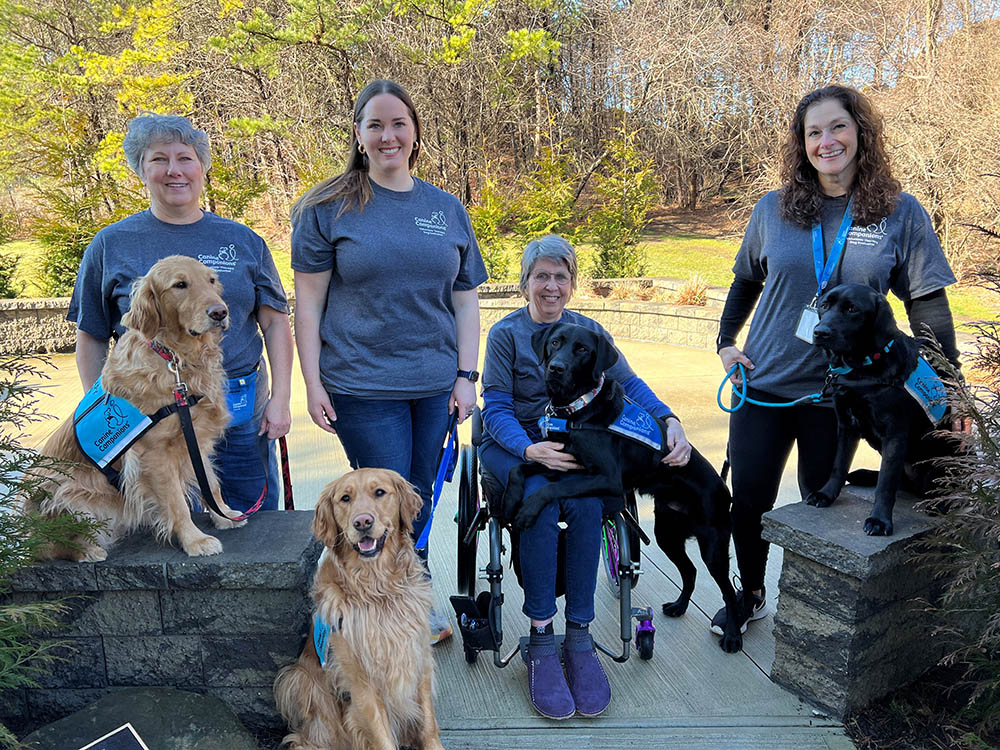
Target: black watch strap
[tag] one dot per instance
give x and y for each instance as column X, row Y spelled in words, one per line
column 471, row 375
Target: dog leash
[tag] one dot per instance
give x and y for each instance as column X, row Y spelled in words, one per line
column 183, row 401
column 446, row 466
column 813, row 398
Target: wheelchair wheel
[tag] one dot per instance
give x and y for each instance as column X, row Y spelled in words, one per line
column 644, row 644
column 468, row 506
column 610, row 555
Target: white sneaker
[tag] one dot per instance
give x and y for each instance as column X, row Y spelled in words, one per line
column 440, row 627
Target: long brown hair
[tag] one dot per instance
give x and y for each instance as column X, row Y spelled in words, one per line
column 351, row 187
column 875, row 191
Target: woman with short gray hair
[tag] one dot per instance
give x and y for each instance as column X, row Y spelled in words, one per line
column 171, row 158
column 514, row 398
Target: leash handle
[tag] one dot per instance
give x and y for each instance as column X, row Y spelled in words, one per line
column 741, row 393
column 286, row 474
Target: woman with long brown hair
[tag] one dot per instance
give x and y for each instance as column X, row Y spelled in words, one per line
column 387, row 313
column 839, row 217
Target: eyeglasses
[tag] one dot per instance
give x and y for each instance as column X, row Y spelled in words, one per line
column 542, row 277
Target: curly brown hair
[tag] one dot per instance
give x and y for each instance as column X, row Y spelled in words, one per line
column 875, row 190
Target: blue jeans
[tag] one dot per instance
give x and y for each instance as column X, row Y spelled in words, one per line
column 583, row 517
column 403, row 435
column 239, row 458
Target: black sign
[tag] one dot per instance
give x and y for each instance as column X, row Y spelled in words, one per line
column 123, row 738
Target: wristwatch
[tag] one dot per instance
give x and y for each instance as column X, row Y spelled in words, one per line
column 471, row 375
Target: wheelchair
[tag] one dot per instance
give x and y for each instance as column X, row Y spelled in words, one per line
column 479, row 616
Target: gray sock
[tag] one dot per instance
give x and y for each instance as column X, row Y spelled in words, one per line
column 578, row 637
column 542, row 641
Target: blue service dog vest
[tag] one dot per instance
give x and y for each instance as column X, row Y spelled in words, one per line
column 925, row 385
column 634, row 422
column 106, row 426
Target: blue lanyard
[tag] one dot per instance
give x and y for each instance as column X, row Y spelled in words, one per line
column 823, row 273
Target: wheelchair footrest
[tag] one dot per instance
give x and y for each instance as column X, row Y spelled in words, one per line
column 474, row 622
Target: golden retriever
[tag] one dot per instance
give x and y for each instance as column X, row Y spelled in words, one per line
column 374, row 692
column 177, row 304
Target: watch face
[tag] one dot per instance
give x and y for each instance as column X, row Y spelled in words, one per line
column 470, row 375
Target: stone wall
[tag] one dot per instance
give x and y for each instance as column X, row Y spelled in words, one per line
column 30, row 326
column 150, row 615
column 35, row 326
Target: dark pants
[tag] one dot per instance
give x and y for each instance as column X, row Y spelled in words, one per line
column 403, row 435
column 760, row 440
column 539, row 544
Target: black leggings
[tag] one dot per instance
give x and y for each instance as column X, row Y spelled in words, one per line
column 760, row 439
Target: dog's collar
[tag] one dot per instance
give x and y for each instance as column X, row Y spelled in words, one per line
column 870, row 360
column 575, row 406
column 163, row 351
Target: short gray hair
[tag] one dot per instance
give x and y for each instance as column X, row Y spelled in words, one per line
column 550, row 247
column 150, row 128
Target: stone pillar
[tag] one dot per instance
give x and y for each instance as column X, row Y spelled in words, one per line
column 152, row 616
column 850, row 626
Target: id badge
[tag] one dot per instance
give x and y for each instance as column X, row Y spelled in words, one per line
column 808, row 321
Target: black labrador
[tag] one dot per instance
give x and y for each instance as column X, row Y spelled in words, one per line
column 689, row 500
column 871, row 361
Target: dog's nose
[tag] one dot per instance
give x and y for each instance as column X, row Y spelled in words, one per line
column 363, row 522
column 557, row 368
column 820, row 334
column 218, row 312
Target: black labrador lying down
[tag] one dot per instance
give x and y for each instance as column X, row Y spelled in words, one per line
column 880, row 394
column 690, row 500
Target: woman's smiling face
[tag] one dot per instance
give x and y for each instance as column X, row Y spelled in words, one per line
column 549, row 289
column 387, row 133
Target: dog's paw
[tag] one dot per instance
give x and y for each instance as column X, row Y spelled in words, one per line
column 202, row 546
column 819, row 499
column 732, row 644
column 91, row 553
column 675, row 609
column 227, row 523
column 524, row 520
column 878, row 526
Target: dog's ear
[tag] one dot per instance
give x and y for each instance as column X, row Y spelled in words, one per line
column 325, row 526
column 605, row 355
column 410, row 503
column 884, row 322
column 540, row 339
column 144, row 311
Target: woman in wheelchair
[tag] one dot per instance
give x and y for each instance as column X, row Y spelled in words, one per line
column 514, row 399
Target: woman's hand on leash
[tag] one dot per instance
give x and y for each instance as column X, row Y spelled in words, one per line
column 463, row 398
column 277, row 420
column 551, row 455
column 677, row 443
column 320, row 409
column 731, row 356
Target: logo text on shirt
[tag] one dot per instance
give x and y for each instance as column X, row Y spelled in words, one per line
column 870, row 235
column 224, row 260
column 436, row 225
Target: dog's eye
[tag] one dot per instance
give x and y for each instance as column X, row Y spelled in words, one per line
column 555, row 343
column 211, row 281
column 852, row 309
column 345, row 498
column 181, row 285
column 579, row 349
column 379, row 492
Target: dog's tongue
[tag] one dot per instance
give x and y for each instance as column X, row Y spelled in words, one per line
column 367, row 544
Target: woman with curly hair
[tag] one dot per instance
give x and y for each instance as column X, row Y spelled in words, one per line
column 839, row 217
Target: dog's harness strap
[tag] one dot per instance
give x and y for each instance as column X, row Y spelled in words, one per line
column 633, row 422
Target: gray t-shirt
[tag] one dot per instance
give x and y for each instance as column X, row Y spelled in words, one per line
column 388, row 327
column 900, row 253
column 126, row 250
column 511, row 364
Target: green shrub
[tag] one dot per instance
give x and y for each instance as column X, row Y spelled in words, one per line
column 24, row 473
column 625, row 191
column 546, row 202
column 491, row 219
column 8, row 287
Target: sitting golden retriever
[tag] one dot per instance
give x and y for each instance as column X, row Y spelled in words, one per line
column 178, row 306
column 373, row 689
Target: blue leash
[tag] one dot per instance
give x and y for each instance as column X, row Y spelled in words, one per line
column 446, row 467
column 814, row 398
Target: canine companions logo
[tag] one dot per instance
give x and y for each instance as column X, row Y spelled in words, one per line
column 114, row 416
column 868, row 236
column 224, row 260
column 436, row 225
